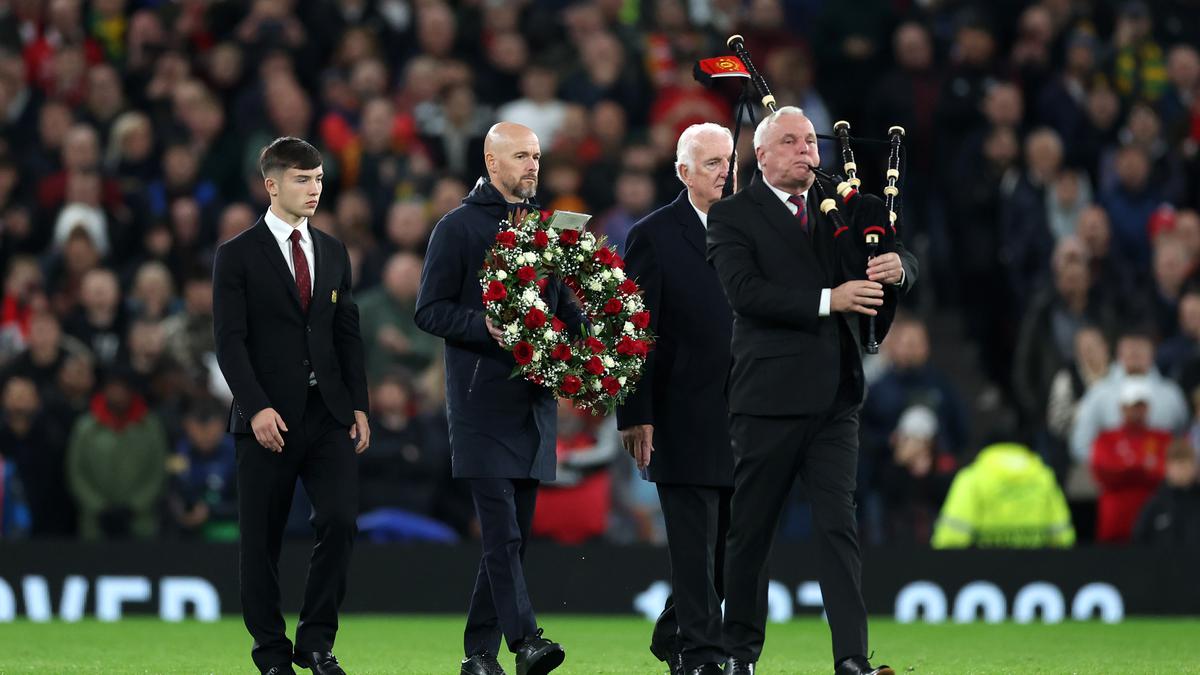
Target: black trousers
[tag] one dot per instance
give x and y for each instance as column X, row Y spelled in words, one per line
column 500, row 602
column 769, row 452
column 318, row 450
column 697, row 520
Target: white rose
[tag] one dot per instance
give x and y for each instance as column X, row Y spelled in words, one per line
column 539, row 304
column 619, row 274
column 537, row 356
column 549, row 334
column 529, row 296
column 597, row 329
column 609, row 362
column 606, row 275
column 629, row 328
column 631, row 306
column 501, row 275
column 621, row 380
column 512, row 329
column 548, row 256
column 578, row 258
column 595, row 285
column 585, row 245
column 596, row 385
column 531, row 258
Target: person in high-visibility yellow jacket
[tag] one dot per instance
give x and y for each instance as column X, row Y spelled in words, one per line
column 1006, row 498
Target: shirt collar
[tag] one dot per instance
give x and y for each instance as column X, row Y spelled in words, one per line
column 784, row 196
column 282, row 231
column 703, row 215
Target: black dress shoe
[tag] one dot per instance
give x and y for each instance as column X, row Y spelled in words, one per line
column 321, row 663
column 739, row 667
column 285, row 669
column 481, row 664
column 537, row 656
column 857, row 665
column 706, row 669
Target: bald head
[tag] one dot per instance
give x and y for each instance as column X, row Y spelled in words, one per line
column 512, row 155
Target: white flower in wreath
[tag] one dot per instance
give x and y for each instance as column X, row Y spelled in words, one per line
column 619, row 274
column 512, row 329
column 585, row 245
column 609, row 362
column 537, row 356
column 529, row 296
column 596, row 385
column 548, row 256
column 606, row 275
column 629, row 328
column 548, row 335
column 632, row 306
column 501, row 275
column 595, row 285
column 597, row 329
column 621, row 380
column 539, row 304
column 531, row 258
column 578, row 258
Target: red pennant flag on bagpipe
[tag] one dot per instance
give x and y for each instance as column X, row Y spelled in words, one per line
column 720, row 66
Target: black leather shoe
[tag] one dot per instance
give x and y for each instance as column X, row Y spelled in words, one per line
column 739, row 667
column 857, row 665
column 285, row 669
column 481, row 664
column 321, row 663
column 706, row 669
column 537, row 656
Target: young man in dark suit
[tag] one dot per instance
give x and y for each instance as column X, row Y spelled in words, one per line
column 796, row 385
column 289, row 346
column 502, row 429
column 676, row 423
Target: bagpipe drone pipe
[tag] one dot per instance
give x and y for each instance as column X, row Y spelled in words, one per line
column 865, row 225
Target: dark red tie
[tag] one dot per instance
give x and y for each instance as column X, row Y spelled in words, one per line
column 303, row 282
column 801, row 211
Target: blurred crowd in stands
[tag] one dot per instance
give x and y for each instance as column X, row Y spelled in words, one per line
column 1041, row 389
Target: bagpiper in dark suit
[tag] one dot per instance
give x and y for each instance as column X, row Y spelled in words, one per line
column 679, row 408
column 289, row 346
column 796, row 385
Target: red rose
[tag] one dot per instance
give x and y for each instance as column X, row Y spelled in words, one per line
column 561, row 352
column 557, row 324
column 628, row 287
column 535, row 318
column 568, row 237
column 495, row 291
column 641, row 348
column 571, row 385
column 611, row 385
column 523, row 352
column 604, row 256
column 507, row 238
column 595, row 345
column 526, row 274
column 613, row 306
column 617, row 262
column 625, row 346
column 541, row 283
column 540, row 240
column 593, row 366
column 640, row 320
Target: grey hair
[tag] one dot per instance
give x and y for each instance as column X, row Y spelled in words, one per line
column 685, row 150
column 760, row 133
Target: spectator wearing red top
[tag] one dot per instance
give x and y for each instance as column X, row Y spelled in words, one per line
column 1128, row 463
column 575, row 506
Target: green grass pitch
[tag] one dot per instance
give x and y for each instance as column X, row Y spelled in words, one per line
column 412, row 645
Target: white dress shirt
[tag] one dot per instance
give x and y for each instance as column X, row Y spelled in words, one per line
column 703, row 216
column 826, row 293
column 283, row 233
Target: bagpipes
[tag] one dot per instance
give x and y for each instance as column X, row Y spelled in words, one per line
column 873, row 222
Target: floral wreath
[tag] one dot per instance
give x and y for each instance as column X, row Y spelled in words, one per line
column 597, row 369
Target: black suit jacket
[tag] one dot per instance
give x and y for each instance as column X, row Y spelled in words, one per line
column 787, row 360
column 500, row 426
column 267, row 346
column 682, row 390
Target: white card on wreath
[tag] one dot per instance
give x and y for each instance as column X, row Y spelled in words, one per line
column 568, row 220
